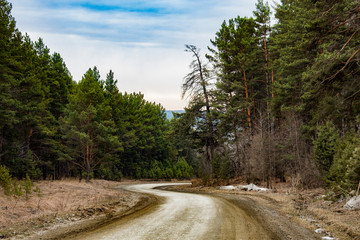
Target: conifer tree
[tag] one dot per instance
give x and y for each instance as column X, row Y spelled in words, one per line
column 88, row 127
column 232, row 57
column 7, row 102
column 197, row 82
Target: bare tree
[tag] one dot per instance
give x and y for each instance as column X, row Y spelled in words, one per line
column 197, row 82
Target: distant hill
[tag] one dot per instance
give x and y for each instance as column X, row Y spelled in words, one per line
column 169, row 113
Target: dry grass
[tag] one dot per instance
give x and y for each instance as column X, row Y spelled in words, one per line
column 58, row 199
column 307, row 207
column 61, row 199
column 312, row 210
column 343, row 223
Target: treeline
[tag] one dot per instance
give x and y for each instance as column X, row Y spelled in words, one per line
column 279, row 101
column 53, row 127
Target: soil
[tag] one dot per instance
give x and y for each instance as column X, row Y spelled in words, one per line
column 314, row 209
column 200, row 216
column 66, row 207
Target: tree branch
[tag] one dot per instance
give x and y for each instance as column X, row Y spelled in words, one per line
column 343, row 68
column 343, row 47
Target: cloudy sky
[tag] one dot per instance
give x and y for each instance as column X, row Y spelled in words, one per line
column 142, row 41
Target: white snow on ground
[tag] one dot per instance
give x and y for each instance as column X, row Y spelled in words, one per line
column 353, row 203
column 319, row 230
column 252, row 187
column 227, row 187
column 327, row 238
column 249, row 187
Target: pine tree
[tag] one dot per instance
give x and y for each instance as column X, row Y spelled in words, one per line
column 197, row 82
column 110, row 82
column 330, row 82
column 263, row 29
column 7, row 102
column 88, row 127
column 233, row 59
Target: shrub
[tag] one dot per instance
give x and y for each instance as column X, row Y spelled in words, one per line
column 16, row 191
column 344, row 174
column 28, row 185
column 5, row 179
column 325, row 147
column 183, row 169
column 14, row 187
column 222, row 166
column 169, row 173
column 108, row 172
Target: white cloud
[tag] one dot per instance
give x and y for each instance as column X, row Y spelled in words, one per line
column 144, row 49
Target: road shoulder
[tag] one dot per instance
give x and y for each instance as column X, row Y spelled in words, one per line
column 68, row 207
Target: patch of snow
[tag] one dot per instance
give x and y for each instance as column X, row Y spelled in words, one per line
column 320, row 197
column 252, row 187
column 319, row 230
column 353, row 203
column 311, row 220
column 230, row 187
column 327, row 238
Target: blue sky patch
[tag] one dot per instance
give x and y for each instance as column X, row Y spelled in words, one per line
column 130, row 6
column 134, row 9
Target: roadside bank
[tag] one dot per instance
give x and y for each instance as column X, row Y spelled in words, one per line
column 67, row 207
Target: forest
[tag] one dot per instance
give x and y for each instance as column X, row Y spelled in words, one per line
column 52, row 127
column 279, row 101
column 275, row 98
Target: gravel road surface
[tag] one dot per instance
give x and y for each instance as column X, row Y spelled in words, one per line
column 189, row 216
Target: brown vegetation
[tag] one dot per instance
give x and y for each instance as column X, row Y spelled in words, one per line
column 312, row 208
column 62, row 202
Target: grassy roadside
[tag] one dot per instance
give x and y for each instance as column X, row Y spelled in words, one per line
column 310, row 208
column 70, row 206
column 63, row 204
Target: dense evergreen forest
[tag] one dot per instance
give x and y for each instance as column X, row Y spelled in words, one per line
column 271, row 101
column 279, row 101
column 53, row 127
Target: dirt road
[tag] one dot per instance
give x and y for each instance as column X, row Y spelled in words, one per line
column 195, row 216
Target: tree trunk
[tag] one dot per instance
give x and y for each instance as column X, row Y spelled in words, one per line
column 237, row 164
column 208, row 117
column 272, row 82
column 87, row 159
column 1, row 143
column 266, row 66
column 88, row 171
column 247, row 101
column 267, row 80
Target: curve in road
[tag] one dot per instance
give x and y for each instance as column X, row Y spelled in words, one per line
column 183, row 216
